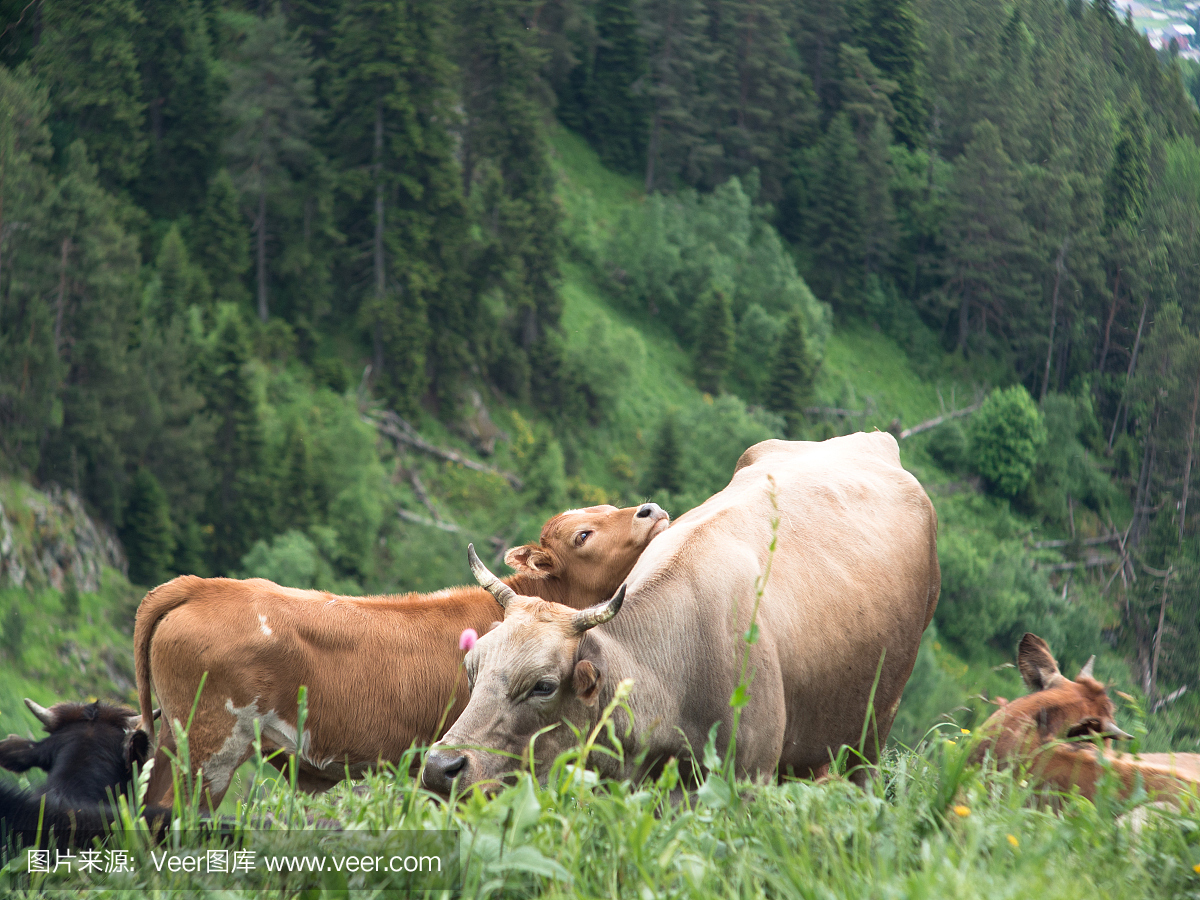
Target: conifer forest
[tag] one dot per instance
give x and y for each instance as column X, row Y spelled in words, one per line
column 321, row 290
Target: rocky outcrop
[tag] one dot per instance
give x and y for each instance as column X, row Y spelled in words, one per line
column 46, row 535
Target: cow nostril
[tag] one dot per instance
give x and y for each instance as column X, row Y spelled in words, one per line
column 645, row 511
column 455, row 766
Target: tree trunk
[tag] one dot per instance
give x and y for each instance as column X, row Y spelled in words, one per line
column 1058, row 271
column 964, row 313
column 1112, row 311
column 260, row 227
column 1152, row 694
column 380, row 273
column 1137, row 343
column 61, row 305
column 1187, row 468
column 1136, row 529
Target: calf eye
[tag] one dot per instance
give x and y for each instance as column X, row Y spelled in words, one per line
column 543, row 688
column 581, row 537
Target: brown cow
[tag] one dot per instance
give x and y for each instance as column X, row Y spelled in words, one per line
column 1031, row 730
column 382, row 673
column 853, row 583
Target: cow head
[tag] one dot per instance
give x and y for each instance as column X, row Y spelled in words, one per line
column 1055, row 708
column 89, row 754
column 533, row 672
column 590, row 549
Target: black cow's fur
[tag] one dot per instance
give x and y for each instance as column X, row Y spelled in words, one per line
column 89, row 758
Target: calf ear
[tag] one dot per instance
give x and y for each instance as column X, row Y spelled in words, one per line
column 586, row 680
column 18, row 754
column 137, row 747
column 530, row 557
column 1037, row 665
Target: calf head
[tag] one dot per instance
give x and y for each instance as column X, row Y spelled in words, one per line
column 532, row 673
column 89, row 754
column 1055, row 708
column 591, row 550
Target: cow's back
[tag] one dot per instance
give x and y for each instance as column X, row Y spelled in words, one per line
column 853, row 578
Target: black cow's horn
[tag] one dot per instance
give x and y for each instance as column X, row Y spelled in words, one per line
column 598, row 615
column 497, row 588
column 44, row 715
column 1086, row 671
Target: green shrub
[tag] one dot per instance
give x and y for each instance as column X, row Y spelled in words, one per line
column 1005, row 436
column 948, row 446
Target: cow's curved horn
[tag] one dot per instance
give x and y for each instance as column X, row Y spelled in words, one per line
column 598, row 615
column 497, row 588
column 1086, row 671
column 43, row 715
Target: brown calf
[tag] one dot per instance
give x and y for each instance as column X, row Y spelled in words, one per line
column 383, row 673
column 1030, row 731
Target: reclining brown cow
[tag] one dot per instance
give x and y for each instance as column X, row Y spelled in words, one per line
column 382, row 673
column 853, row 583
column 1047, row 731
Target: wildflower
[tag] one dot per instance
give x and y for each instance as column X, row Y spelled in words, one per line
column 1196, row 868
column 468, row 639
column 962, row 811
column 965, row 730
column 1012, row 839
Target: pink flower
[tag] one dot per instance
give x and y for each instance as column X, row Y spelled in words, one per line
column 468, row 639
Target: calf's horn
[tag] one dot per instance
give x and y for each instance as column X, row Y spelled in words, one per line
column 598, row 615
column 43, row 715
column 1086, row 671
column 497, row 588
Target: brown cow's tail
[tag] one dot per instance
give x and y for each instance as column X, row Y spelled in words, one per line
column 150, row 611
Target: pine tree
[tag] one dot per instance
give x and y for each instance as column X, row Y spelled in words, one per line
column 85, row 55
column 220, row 240
column 988, row 251
column 890, row 32
column 836, row 220
column 236, row 504
column 793, row 373
column 298, row 506
column 181, row 284
column 182, row 97
column 714, row 341
column 666, row 468
column 146, row 531
column 509, row 187
column 392, row 106
column 271, row 104
column 616, row 108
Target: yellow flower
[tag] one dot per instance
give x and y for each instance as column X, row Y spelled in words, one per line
column 950, row 743
column 1012, row 839
column 962, row 811
column 965, row 730
column 1196, row 868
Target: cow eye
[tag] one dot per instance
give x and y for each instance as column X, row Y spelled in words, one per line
column 581, row 537
column 543, row 688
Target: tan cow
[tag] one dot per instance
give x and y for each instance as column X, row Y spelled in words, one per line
column 853, row 583
column 1031, row 730
column 382, row 673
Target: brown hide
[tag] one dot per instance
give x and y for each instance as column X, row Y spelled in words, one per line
column 854, row 578
column 382, row 673
column 1030, row 732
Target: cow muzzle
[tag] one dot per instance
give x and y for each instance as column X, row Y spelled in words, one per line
column 442, row 767
column 658, row 517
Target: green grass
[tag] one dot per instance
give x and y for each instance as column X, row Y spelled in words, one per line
column 926, row 827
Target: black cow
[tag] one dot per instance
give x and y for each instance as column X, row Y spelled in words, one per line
column 89, row 757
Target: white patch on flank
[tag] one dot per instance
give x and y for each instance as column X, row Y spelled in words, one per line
column 219, row 767
column 262, row 623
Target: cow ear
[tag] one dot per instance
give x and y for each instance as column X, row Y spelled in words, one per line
column 1037, row 665
column 586, row 680
column 137, row 747
column 530, row 557
column 18, row 754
